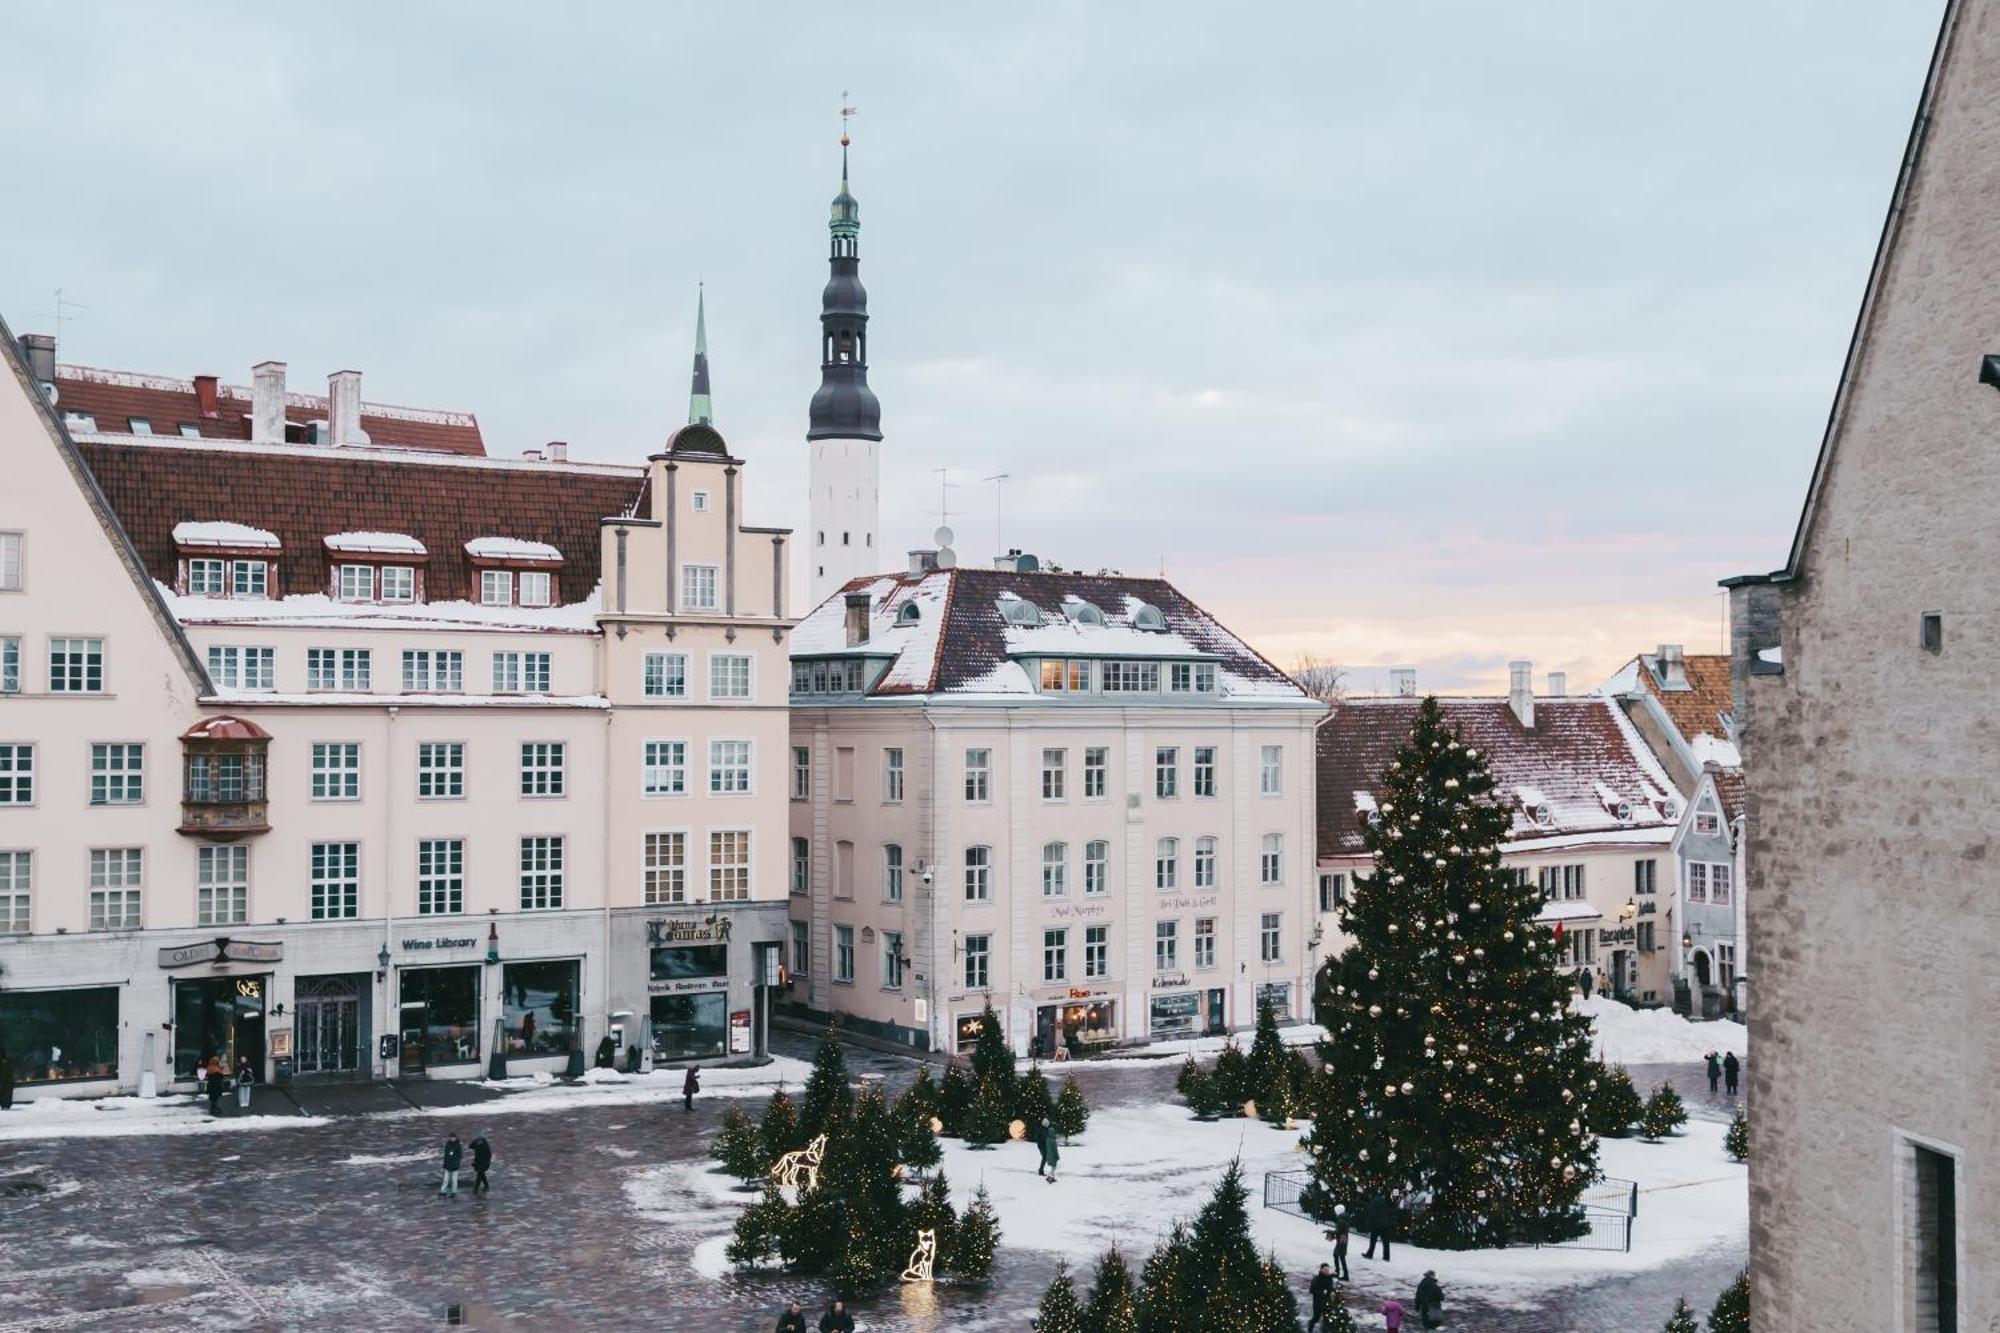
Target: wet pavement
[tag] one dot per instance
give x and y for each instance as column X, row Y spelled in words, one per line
column 336, row 1223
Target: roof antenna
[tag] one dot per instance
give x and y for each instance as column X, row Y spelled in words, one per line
column 63, row 307
column 945, row 486
column 996, row 479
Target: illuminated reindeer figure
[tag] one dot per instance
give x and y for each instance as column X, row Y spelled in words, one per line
column 922, row 1257
column 800, row 1170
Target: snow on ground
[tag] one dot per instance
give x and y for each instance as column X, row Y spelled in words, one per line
column 1300, row 1034
column 1628, row 1036
column 117, row 1117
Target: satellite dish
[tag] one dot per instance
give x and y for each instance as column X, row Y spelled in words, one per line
column 943, row 536
column 946, row 557
column 1027, row 564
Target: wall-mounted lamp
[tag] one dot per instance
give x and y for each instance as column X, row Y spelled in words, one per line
column 382, row 964
column 1687, row 941
column 924, row 873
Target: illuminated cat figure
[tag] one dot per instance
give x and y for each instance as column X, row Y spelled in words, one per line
column 800, row 1170
column 922, row 1257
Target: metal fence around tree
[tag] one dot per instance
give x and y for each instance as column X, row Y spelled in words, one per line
column 1608, row 1207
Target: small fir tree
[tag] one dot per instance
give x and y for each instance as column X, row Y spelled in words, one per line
column 1165, row 1296
column 993, row 1058
column 1205, row 1096
column 933, row 1212
column 1191, row 1073
column 1617, row 1104
column 760, row 1233
column 920, row 1099
column 986, row 1122
column 1032, row 1101
column 1338, row 1320
column 827, row 1096
column 1731, row 1311
column 1453, row 1068
column 1303, row 1073
column 1059, row 1311
column 1277, row 1307
column 1233, row 1083
column 1664, row 1114
column 1224, row 1257
column 1110, row 1308
column 1682, row 1320
column 1270, row 1073
column 956, row 1092
column 1737, row 1141
column 780, row 1130
column 739, row 1147
column 1072, row 1112
column 977, row 1236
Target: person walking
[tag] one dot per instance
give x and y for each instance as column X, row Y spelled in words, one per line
column 836, row 1319
column 1714, row 1072
column 689, row 1087
column 212, row 1075
column 245, row 1076
column 482, row 1162
column 6, row 1081
column 1392, row 1315
column 1322, row 1294
column 1731, row 1069
column 1380, row 1216
column 1430, row 1300
column 1045, row 1138
column 793, row 1320
column 1340, row 1251
column 1583, row 981
column 454, row 1157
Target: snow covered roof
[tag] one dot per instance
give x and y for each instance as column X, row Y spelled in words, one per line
column 1559, row 910
column 317, row 610
column 375, row 543
column 221, row 533
column 510, row 548
column 964, row 641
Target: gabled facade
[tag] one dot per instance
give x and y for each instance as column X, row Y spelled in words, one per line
column 1708, row 896
column 1078, row 798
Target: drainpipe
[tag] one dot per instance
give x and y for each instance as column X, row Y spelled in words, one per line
column 931, row 889
column 390, row 1012
column 604, row 878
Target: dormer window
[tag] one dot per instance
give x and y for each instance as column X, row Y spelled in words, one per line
column 1623, row 811
column 496, row 587
column 1081, row 612
column 221, row 559
column 391, row 576
column 514, row 571
column 1148, row 617
column 535, row 587
column 139, row 425
column 1019, row 612
column 83, row 423
column 909, row 614
column 190, row 431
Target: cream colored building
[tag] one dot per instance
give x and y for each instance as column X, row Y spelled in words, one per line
column 1075, row 797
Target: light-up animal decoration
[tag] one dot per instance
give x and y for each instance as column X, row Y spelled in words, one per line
column 800, row 1170
column 922, row 1257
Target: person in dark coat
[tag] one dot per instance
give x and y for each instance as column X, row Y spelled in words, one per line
column 1583, row 981
column 1380, row 1216
column 1340, row 1251
column 482, row 1162
column 212, row 1073
column 1714, row 1072
column 836, row 1319
column 1045, row 1138
column 1430, row 1300
column 607, row 1053
column 454, row 1157
column 6, row 1081
column 689, row 1087
column 1731, row 1068
column 1322, row 1294
column 793, row 1320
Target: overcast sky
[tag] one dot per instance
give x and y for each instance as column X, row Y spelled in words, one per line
column 1432, row 334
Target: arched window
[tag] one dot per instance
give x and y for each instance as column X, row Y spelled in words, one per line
column 1167, row 864
column 1055, row 869
column 910, row 614
column 1149, row 618
column 978, row 874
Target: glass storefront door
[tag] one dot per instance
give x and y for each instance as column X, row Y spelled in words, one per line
column 328, row 1024
column 439, row 1023
column 222, row 1017
column 690, row 1027
column 538, row 1009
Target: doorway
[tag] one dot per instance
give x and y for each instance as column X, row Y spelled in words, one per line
column 222, row 1017
column 1701, row 968
column 329, row 1025
column 1217, row 1012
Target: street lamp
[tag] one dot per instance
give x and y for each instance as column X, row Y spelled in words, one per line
column 382, row 964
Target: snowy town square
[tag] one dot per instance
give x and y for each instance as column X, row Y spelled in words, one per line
column 1069, row 667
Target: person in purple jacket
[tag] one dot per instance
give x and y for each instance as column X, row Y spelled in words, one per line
column 1392, row 1315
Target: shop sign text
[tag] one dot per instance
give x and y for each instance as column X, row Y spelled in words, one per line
column 444, row 942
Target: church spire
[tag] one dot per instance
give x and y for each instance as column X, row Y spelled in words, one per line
column 845, row 408
column 701, row 411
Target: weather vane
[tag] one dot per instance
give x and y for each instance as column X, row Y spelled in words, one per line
column 847, row 112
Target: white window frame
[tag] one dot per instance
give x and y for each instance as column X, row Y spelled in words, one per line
column 118, row 773
column 731, row 677
column 544, row 770
column 1055, row 870
column 1055, row 774
column 222, row 885
column 663, row 866
column 542, row 866
column 1096, row 867
column 801, row 866
column 250, row 579
column 662, row 769
column 979, row 873
column 242, row 666
column 207, row 576
column 892, row 964
column 801, row 948
column 1096, row 952
column 1166, row 772
column 76, row 664
column 978, row 962
column 1697, row 882
column 1271, row 770
column 1096, row 772
column 1721, row 884
column 496, row 587
column 440, row 770
column 1055, row 955
column 336, row 771
column 801, row 773
column 345, row 669
column 354, row 583
column 13, row 561
column 978, row 775
column 535, row 587
column 440, row 876
column 1201, row 778
column 1167, row 864
column 118, row 888
column 664, row 676
column 892, row 872
column 10, row 664
column 1206, row 857
column 700, row 587
column 433, row 671
column 1271, row 937
column 1271, row 860
column 892, row 774
column 1204, row 943
column 17, row 773
column 398, row 583
column 843, row 955
column 1166, row 946
column 334, row 872
column 17, row 891
column 729, row 767
column 522, row 673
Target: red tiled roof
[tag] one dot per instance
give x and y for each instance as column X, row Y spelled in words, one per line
column 115, row 397
column 304, row 495
column 1577, row 744
column 1699, row 709
column 1728, row 790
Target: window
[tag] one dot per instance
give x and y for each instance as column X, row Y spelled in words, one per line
column 441, row 770
column 541, row 872
column 1930, row 1241
column 1204, row 770
column 1707, row 822
column 1131, row 677
column 336, row 880
column 728, row 865
column 118, row 774
column 892, row 960
column 1054, row 677
column 117, row 877
column 1167, row 863
column 663, row 868
column 336, row 771
column 1096, row 952
column 1930, row 631
column 1055, row 869
column 1725, row 964
column 1645, row 937
column 10, row 664
column 1167, row 772
column 698, row 587
column 221, row 886
column 801, row 866
column 1719, row 885
column 892, row 774
column 225, row 778
column 978, row 874
column 892, row 872
column 1180, row 677
column 665, row 676
column 1204, row 863
column 664, row 772
column 249, row 578
column 76, row 666
column 1166, row 946
column 1204, row 941
column 843, row 954
column 440, row 876
column 520, row 673
column 1096, row 764
column 337, row 669
column 536, row 588
column 496, row 587
column 1332, row 891
column 802, row 772
column 700, row 499
column 10, row 561
column 1271, row 860
column 729, row 768
column 843, row 869
column 17, row 876
column 729, row 676
column 17, row 773
column 1269, row 937
column 801, row 948
column 978, row 774
column 1055, row 956
column 1564, row 883
column 1644, row 877
column 237, row 668
column 1055, row 769
column 207, row 578
column 355, row 583
column 1096, row 865
column 432, row 671
column 1697, row 877
column 139, row 425
column 1271, row 771
column 978, row 953
column 399, row 583
column 542, row 765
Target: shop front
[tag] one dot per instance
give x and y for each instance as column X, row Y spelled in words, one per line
column 696, row 984
column 689, row 994
column 1076, row 1022
column 437, row 1020
column 540, row 1003
column 1277, row 994
column 221, row 1003
column 61, row 1036
column 1174, row 1013
column 967, row 1027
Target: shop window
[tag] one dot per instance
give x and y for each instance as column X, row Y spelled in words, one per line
column 1277, row 994
column 439, row 1016
column 538, row 1009
column 690, row 1027
column 60, row 1034
column 221, row 1017
column 689, row 962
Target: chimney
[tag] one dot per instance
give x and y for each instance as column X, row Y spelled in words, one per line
column 1558, row 684
column 923, row 560
column 1673, row 671
column 1009, row 563
column 1403, row 681
column 267, row 402
column 205, row 404
column 532, row 455
column 1521, row 691
column 857, row 619
column 39, row 351
column 343, row 407
column 559, row 451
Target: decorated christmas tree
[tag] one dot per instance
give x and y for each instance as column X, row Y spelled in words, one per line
column 1032, row 1102
column 917, row 1144
column 1616, row 1106
column 780, row 1129
column 1664, row 1114
column 1233, row 1084
column 1072, row 1112
column 993, row 1058
column 1682, row 1320
column 1165, row 1290
column 986, row 1122
column 920, row 1099
column 1110, row 1308
column 1737, row 1141
column 739, row 1147
column 1731, row 1311
column 827, row 1096
column 933, row 1212
column 1338, row 1320
column 1059, row 1312
column 1456, row 1080
column 760, row 1234
column 1270, row 1074
column 955, row 1093
column 977, row 1236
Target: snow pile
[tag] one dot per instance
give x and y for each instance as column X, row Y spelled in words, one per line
column 1708, row 749
column 1628, row 1036
column 119, row 1117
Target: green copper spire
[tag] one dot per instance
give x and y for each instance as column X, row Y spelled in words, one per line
column 701, row 410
